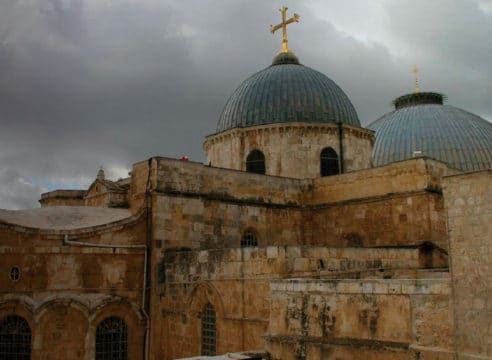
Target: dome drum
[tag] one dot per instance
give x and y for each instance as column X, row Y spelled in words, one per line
column 418, row 99
column 291, row 149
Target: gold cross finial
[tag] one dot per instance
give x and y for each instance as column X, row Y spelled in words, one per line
column 283, row 26
column 415, row 71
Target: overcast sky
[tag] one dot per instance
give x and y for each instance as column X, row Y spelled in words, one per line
column 85, row 83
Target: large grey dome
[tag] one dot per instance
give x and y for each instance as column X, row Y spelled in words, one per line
column 287, row 91
column 422, row 123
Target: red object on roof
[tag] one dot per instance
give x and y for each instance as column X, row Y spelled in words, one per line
column 184, row 158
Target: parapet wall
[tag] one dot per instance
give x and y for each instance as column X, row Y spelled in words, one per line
column 186, row 178
column 63, row 198
column 420, row 174
column 401, row 177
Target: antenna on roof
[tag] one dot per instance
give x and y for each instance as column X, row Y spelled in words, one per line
column 415, row 71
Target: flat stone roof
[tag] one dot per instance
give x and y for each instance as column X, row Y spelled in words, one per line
column 63, row 217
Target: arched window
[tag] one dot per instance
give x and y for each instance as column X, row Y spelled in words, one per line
column 329, row 162
column 249, row 238
column 15, row 338
column 209, row 330
column 255, row 162
column 112, row 339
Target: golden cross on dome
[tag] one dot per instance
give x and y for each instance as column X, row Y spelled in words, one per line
column 283, row 26
column 415, row 71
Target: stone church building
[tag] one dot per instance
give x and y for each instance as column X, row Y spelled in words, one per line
column 304, row 236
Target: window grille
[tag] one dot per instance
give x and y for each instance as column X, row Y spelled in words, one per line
column 112, row 339
column 249, row 239
column 209, row 331
column 255, row 162
column 329, row 162
column 15, row 338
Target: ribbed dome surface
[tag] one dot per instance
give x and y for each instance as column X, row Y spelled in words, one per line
column 443, row 132
column 287, row 92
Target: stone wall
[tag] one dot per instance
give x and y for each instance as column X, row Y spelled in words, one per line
column 395, row 205
column 65, row 291
column 198, row 215
column 211, row 224
column 468, row 202
column 398, row 178
column 63, row 198
column 393, row 220
column 107, row 199
column 142, row 179
column 95, row 196
column 354, row 319
column 194, row 179
column 290, row 149
column 197, row 206
column 357, row 148
column 237, row 283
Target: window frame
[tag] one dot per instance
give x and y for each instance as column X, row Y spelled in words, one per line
column 14, row 273
column 106, row 345
column 19, row 332
column 328, row 157
column 249, row 238
column 209, row 330
column 256, row 162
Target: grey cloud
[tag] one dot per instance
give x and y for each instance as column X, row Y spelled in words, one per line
column 88, row 83
column 15, row 192
column 452, row 40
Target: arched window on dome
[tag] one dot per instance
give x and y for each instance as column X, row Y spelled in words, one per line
column 329, row 162
column 249, row 238
column 209, row 330
column 15, row 338
column 112, row 339
column 255, row 162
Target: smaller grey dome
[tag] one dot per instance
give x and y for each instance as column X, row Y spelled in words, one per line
column 421, row 123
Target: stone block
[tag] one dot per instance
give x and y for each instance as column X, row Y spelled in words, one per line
column 232, row 268
column 203, row 256
column 332, row 265
column 368, row 288
column 246, row 253
column 381, row 288
column 349, row 287
column 301, row 265
column 293, row 252
column 272, row 252
column 408, row 288
column 394, row 288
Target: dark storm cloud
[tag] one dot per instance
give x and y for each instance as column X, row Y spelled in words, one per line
column 86, row 83
column 452, row 39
